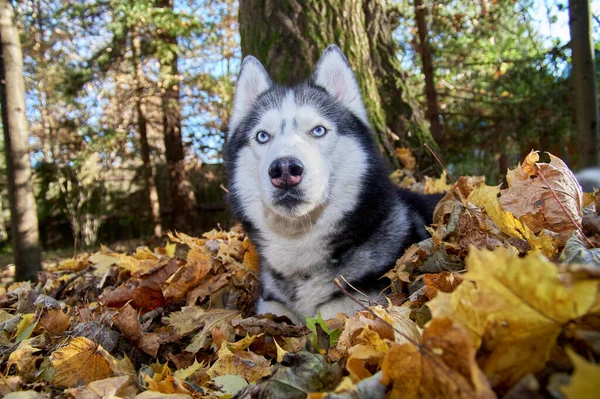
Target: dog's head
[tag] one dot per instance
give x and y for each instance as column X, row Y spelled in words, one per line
column 296, row 150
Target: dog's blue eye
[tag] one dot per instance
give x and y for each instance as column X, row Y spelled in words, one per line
column 262, row 137
column 318, row 131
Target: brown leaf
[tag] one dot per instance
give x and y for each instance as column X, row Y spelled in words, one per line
column 244, row 363
column 122, row 386
column 209, row 287
column 443, row 367
column 186, row 277
column 81, row 361
column 55, row 321
column 529, row 195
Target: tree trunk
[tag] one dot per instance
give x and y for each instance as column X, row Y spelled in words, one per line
column 3, row 233
column 288, row 36
column 433, row 113
column 24, row 222
column 142, row 127
column 584, row 82
column 183, row 199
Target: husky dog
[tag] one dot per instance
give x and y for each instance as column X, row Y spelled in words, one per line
column 312, row 191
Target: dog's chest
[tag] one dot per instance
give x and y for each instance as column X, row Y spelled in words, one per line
column 290, row 256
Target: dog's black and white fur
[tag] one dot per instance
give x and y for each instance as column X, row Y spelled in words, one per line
column 312, row 191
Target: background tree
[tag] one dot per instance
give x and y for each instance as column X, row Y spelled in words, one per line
column 24, row 222
column 183, row 198
column 362, row 29
column 433, row 113
column 584, row 82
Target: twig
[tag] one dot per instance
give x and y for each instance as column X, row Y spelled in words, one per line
column 69, row 281
column 537, row 168
column 353, row 298
column 441, row 164
column 456, row 190
column 359, row 291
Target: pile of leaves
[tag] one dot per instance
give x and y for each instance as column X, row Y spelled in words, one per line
column 501, row 301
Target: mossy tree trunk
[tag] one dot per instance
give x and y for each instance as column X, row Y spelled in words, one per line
column 288, row 36
column 23, row 210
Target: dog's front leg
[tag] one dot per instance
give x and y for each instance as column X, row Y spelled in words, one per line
column 277, row 308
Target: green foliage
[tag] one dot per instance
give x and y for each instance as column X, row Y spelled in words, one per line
column 313, row 337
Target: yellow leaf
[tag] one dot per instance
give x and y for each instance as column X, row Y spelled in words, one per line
column 486, row 197
column 144, row 253
column 170, row 249
column 25, row 327
column 23, row 357
column 115, row 387
column 165, row 382
column 81, row 361
column 280, row 352
column 442, row 366
column 514, row 308
column 102, row 261
column 437, row 186
column 183, row 374
column 243, row 343
column 585, row 381
column 246, row 364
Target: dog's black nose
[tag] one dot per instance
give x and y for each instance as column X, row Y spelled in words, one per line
column 286, row 172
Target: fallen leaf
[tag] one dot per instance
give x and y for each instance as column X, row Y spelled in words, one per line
column 243, row 363
column 529, row 194
column 514, row 308
column 122, row 386
column 191, row 318
column 585, row 381
column 443, row 366
column 23, row 357
column 486, row 197
column 165, row 382
column 296, row 376
column 186, row 277
column 81, row 361
column 55, row 321
column 437, row 186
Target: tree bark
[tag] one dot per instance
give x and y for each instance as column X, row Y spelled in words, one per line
column 182, row 194
column 24, row 222
column 3, row 233
column 433, row 113
column 143, row 130
column 584, row 82
column 288, row 37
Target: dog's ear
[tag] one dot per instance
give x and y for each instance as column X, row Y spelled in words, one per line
column 334, row 74
column 252, row 81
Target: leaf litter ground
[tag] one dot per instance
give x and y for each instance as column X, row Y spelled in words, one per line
column 501, row 301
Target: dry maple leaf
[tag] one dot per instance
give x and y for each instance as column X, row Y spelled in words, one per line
column 514, row 308
column 247, row 364
column 585, row 381
column 114, row 387
column 165, row 382
column 442, row 366
column 55, row 321
column 81, row 361
column 23, row 357
column 528, row 194
column 191, row 318
column 486, row 197
column 186, row 278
